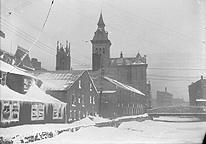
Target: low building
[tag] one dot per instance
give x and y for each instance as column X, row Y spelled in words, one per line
column 74, row 88
column 164, row 98
column 22, row 102
column 197, row 90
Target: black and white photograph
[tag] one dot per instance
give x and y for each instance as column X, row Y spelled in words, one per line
column 102, row 71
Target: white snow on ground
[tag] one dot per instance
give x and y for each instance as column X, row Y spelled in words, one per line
column 135, row 132
column 128, row 132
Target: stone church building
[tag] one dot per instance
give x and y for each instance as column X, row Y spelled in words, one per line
column 128, row 70
column 63, row 59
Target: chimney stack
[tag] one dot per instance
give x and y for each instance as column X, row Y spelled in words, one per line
column 165, row 89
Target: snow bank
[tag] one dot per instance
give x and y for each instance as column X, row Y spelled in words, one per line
column 84, row 122
column 99, row 119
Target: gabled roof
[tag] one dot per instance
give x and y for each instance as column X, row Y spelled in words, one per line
column 124, row 86
column 138, row 60
column 58, row 80
column 109, row 85
column 26, row 63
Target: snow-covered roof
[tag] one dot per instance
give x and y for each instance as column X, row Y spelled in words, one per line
column 35, row 92
column 124, row 86
column 7, row 94
column 13, row 69
column 200, row 99
column 58, row 80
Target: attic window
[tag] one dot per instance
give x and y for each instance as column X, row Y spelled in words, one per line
column 90, row 87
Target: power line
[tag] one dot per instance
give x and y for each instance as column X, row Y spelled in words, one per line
column 42, row 47
column 129, row 14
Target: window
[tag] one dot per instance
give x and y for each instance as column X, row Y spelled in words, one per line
column 80, row 84
column 27, row 84
column 70, row 115
column 79, row 100
column 2, row 78
column 90, row 99
column 90, row 87
column 74, row 116
column 83, row 100
column 79, row 114
column 37, row 112
column 93, row 100
column 73, row 100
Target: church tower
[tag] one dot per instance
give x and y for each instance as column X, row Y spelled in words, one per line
column 100, row 47
column 63, row 59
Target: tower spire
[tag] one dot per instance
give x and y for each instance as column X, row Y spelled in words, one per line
column 101, row 22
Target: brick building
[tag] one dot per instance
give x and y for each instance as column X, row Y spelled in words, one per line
column 74, row 88
column 117, row 99
column 164, row 98
column 197, row 90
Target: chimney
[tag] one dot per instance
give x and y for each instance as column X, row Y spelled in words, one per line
column 121, row 55
column 201, row 77
column 165, row 89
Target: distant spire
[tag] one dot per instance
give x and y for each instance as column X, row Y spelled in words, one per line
column 101, row 22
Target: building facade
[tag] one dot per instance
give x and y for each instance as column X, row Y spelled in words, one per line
column 74, row 88
column 117, row 99
column 63, row 59
column 128, row 70
column 197, row 90
column 164, row 98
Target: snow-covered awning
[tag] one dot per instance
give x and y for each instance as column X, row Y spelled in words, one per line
column 7, row 94
column 35, row 92
column 13, row 69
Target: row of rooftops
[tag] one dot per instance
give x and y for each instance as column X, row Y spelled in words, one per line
column 63, row 79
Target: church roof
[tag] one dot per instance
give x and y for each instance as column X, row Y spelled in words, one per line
column 138, row 60
column 58, row 80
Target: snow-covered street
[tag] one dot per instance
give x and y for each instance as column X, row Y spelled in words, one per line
column 128, row 132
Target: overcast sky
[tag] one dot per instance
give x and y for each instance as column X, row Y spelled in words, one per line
column 170, row 32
